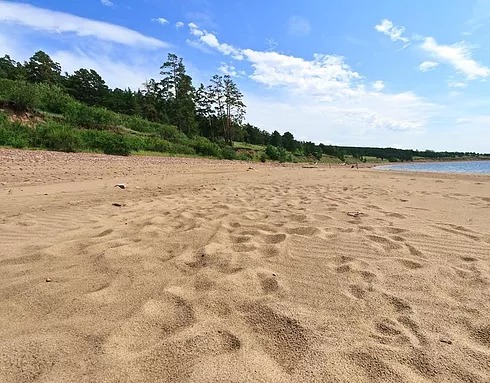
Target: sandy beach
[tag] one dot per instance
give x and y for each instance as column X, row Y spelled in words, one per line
column 212, row 271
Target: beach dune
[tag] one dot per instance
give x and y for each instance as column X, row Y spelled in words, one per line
column 209, row 271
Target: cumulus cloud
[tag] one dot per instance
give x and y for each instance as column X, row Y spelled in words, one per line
column 458, row 56
column 392, row 31
column 323, row 90
column 299, row 26
column 45, row 20
column 179, row 24
column 107, row 3
column 427, row 66
column 160, row 20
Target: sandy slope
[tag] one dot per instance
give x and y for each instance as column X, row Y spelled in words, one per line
column 213, row 273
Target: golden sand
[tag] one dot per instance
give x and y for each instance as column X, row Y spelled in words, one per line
column 209, row 271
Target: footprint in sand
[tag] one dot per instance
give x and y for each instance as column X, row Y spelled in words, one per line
column 409, row 264
column 282, row 337
column 268, row 282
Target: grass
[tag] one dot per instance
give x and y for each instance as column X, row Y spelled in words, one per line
column 246, row 145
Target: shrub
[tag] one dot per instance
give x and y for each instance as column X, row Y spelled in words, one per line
column 272, row 153
column 263, row 157
column 228, row 153
column 52, row 98
column 81, row 115
column 21, row 94
column 107, row 142
column 205, row 147
column 181, row 149
column 137, row 123
column 14, row 134
column 58, row 137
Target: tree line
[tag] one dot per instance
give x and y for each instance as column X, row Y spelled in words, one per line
column 215, row 110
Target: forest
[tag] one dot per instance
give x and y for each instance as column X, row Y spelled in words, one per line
column 42, row 107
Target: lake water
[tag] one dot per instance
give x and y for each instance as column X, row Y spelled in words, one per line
column 476, row 167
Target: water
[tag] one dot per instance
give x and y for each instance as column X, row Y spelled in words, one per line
column 475, row 167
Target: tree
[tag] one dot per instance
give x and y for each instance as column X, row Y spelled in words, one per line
column 122, row 101
column 87, row 86
column 276, row 139
column 204, row 112
column 150, row 104
column 178, row 93
column 11, row 69
column 216, row 94
column 288, row 142
column 234, row 107
column 41, row 68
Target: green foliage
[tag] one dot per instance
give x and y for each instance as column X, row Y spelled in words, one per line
column 55, row 136
column 205, row 147
column 272, row 153
column 107, row 142
column 14, row 134
column 52, row 98
column 278, row 154
column 21, row 94
column 263, row 157
column 87, row 86
column 41, row 68
column 228, row 153
column 81, row 115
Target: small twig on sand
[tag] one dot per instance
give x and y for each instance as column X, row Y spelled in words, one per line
column 355, row 213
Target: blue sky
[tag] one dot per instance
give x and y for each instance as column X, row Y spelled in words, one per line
column 408, row 74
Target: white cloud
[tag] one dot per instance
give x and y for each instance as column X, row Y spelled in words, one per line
column 107, row 3
column 210, row 40
column 299, row 26
column 45, row 20
column 457, row 55
column 457, row 84
column 326, row 76
column 160, row 20
column 132, row 73
column 320, row 94
column 179, row 24
column 378, row 85
column 230, row 70
column 389, row 29
column 427, row 66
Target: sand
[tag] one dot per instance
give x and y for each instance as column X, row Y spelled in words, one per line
column 209, row 271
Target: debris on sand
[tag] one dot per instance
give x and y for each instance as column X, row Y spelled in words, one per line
column 48, row 279
column 120, row 186
column 355, row 213
column 117, row 204
column 446, row 340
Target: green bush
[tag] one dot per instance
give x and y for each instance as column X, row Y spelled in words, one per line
column 81, row 115
column 263, row 157
column 272, row 153
column 107, row 142
column 138, row 124
column 55, row 136
column 21, row 94
column 53, row 99
column 154, row 144
column 205, row 147
column 278, row 154
column 181, row 149
column 14, row 134
column 228, row 153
